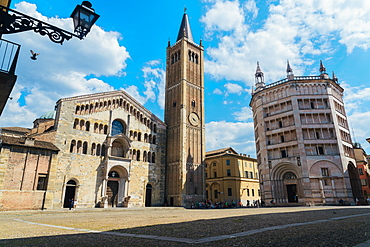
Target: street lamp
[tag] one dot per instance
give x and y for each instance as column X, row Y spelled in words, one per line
column 12, row 21
column 84, row 18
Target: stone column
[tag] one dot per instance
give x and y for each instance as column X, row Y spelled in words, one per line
column 333, row 188
column 322, row 191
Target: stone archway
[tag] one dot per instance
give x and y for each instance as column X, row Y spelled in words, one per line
column 70, row 193
column 290, row 183
column 286, row 183
column 148, row 195
column 116, row 187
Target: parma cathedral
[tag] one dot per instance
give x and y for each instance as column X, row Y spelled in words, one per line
column 107, row 150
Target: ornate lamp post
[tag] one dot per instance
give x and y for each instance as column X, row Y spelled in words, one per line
column 84, row 17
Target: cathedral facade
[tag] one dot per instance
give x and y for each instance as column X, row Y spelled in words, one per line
column 107, row 150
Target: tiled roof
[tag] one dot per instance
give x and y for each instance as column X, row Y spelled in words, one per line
column 21, row 141
column 221, row 151
column 16, row 129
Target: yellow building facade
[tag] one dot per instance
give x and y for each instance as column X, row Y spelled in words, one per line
column 231, row 177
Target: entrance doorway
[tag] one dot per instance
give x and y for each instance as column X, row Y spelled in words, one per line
column 70, row 193
column 148, row 196
column 112, row 191
column 292, row 192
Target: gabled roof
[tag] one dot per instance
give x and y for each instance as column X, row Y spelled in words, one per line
column 228, row 150
column 185, row 30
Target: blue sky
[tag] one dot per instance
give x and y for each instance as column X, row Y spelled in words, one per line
column 127, row 48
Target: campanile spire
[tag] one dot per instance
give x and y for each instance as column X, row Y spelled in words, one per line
column 185, row 31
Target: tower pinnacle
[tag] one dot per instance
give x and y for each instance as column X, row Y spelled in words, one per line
column 259, row 74
column 185, row 30
column 322, row 68
column 289, row 72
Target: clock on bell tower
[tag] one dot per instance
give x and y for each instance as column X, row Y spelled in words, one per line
column 184, row 117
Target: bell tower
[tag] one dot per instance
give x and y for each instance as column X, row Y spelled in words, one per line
column 184, row 117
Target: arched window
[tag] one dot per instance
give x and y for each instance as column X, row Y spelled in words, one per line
column 103, row 150
column 155, row 128
column 96, row 128
column 149, row 157
column 145, row 156
column 76, row 124
column 98, row 150
column 82, row 125
column 93, row 149
column 117, row 128
column 77, row 109
column 154, row 139
column 193, row 103
column 84, row 149
column 87, row 125
column 139, row 136
column 79, row 147
column 105, row 129
column 101, row 129
column 138, row 155
column 153, row 157
column 72, row 148
column 145, row 137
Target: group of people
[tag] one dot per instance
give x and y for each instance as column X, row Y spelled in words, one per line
column 72, row 203
column 226, row 204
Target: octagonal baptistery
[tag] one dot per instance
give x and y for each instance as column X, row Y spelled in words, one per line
column 303, row 142
column 112, row 152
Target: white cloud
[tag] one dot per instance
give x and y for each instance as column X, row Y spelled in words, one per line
column 224, row 16
column 60, row 70
column 134, row 92
column 217, row 91
column 251, row 7
column 155, row 82
column 297, row 30
column 227, row 102
column 244, row 115
column 238, row 135
column 234, row 88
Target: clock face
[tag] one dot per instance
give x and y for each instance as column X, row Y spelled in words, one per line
column 193, row 119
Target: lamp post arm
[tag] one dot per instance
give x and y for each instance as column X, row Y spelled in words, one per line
column 19, row 22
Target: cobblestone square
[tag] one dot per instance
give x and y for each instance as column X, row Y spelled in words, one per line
column 280, row 226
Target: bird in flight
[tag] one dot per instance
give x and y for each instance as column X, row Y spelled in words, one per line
column 34, row 55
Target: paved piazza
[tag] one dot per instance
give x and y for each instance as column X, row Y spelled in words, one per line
column 280, row 226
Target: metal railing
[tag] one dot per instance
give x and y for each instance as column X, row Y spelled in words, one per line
column 297, row 78
column 9, row 53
